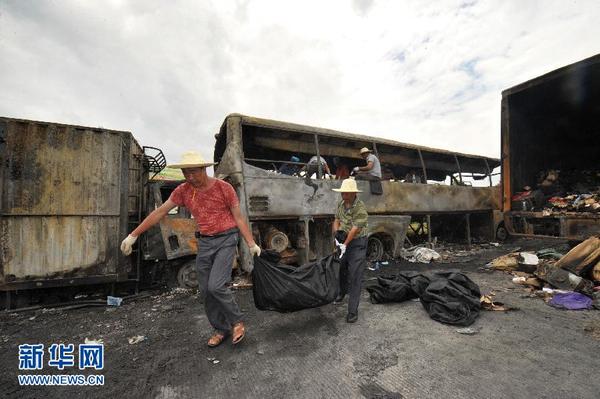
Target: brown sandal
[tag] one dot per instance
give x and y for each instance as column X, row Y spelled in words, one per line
column 216, row 340
column 238, row 333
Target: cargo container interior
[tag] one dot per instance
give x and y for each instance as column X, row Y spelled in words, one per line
column 552, row 123
column 555, row 125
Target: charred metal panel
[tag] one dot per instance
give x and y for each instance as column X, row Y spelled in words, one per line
column 288, row 196
column 45, row 246
column 178, row 237
column 65, row 200
column 394, row 226
column 570, row 225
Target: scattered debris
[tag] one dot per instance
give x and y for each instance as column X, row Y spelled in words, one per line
column 113, row 300
column 467, row 331
column 420, row 254
column 487, row 303
column 582, row 258
column 93, row 341
column 505, row 262
column 136, row 339
column 527, row 258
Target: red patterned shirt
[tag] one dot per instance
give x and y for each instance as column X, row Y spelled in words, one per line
column 211, row 208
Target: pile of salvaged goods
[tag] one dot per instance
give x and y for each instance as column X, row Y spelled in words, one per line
column 566, row 191
column 570, row 281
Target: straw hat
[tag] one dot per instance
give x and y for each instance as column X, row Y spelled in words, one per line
column 191, row 159
column 364, row 149
column 348, row 186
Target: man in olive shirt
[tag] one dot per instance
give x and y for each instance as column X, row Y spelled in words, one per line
column 351, row 217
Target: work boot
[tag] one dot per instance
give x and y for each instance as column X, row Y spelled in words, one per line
column 351, row 318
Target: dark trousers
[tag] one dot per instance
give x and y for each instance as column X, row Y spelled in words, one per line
column 352, row 268
column 213, row 265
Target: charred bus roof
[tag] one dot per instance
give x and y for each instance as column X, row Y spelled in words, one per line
column 337, row 143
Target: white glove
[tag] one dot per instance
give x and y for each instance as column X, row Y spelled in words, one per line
column 356, row 169
column 342, row 248
column 255, row 250
column 127, row 244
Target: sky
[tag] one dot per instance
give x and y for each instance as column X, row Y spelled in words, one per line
column 421, row 72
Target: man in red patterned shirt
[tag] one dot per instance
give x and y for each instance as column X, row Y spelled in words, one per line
column 215, row 206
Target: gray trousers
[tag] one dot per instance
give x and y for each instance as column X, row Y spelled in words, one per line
column 352, row 268
column 213, row 265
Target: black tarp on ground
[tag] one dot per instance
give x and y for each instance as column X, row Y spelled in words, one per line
column 448, row 297
column 285, row 288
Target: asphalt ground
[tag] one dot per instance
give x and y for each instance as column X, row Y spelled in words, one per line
column 393, row 351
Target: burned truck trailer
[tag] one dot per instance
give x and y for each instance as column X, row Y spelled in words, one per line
column 550, row 145
column 69, row 194
column 293, row 214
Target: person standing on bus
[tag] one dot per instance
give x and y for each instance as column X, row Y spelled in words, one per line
column 351, row 217
column 215, row 206
column 372, row 170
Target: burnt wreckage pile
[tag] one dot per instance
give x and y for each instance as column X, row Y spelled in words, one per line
column 561, row 191
column 570, row 281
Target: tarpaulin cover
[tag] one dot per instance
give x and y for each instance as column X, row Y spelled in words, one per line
column 286, row 288
column 448, row 297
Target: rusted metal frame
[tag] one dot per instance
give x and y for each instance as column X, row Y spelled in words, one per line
column 422, row 165
column 123, row 226
column 319, row 166
column 489, row 171
column 234, row 131
column 505, row 180
column 138, row 260
column 460, row 179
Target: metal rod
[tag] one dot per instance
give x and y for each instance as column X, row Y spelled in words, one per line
column 319, row 166
column 458, row 167
column 489, row 172
column 423, row 165
column 375, row 151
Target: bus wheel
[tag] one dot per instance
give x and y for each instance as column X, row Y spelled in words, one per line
column 375, row 249
column 186, row 276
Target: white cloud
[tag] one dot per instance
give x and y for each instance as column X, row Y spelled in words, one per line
column 427, row 73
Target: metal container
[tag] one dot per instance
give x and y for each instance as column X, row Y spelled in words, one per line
column 68, row 195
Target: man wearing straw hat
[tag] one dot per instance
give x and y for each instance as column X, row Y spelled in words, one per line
column 215, row 206
column 372, row 170
column 351, row 217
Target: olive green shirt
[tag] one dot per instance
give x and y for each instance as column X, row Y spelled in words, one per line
column 356, row 215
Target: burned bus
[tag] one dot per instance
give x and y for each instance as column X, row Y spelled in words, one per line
column 293, row 214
